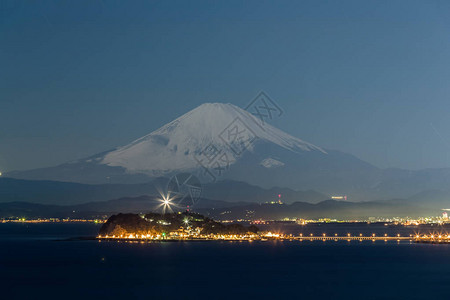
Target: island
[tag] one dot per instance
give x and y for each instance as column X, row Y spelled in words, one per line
column 172, row 226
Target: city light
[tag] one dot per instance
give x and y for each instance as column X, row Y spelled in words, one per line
column 188, row 234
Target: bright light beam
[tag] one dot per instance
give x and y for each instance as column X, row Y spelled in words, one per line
column 166, row 202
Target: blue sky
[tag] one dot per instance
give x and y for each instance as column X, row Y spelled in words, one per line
column 368, row 78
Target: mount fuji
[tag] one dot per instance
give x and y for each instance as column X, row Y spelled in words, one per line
column 222, row 142
column 210, row 130
column 217, row 141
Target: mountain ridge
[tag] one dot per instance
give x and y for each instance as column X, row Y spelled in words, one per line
column 68, row 193
column 204, row 142
column 186, row 145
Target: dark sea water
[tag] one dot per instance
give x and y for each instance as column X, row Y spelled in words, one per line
column 35, row 264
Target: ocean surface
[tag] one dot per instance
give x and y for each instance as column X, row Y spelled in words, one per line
column 37, row 261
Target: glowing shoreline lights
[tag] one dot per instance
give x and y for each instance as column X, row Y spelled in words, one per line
column 187, row 234
column 434, row 239
column 167, row 204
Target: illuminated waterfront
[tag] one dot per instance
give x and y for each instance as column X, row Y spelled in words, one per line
column 406, row 221
column 429, row 233
column 431, row 238
column 423, row 230
column 52, row 220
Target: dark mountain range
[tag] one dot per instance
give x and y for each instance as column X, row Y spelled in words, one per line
column 326, row 209
column 65, row 193
column 223, row 210
column 205, row 142
column 202, row 142
column 141, row 204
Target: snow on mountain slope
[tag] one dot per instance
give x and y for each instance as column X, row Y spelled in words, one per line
column 271, row 163
column 222, row 127
column 255, row 152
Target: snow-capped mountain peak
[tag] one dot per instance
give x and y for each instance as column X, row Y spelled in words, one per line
column 223, row 127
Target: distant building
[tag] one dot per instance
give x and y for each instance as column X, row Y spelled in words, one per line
column 339, row 197
column 278, row 201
